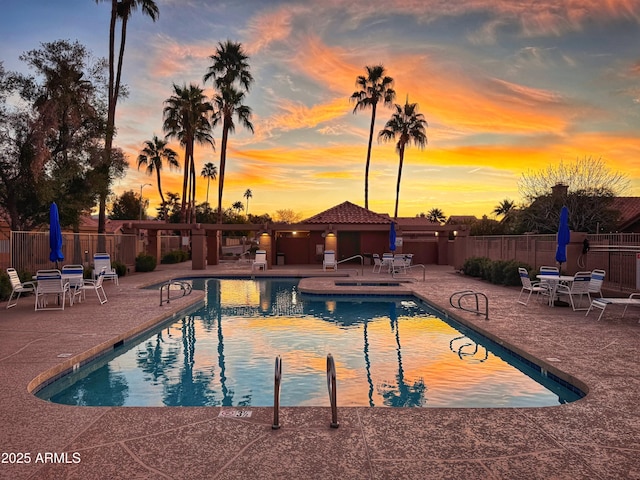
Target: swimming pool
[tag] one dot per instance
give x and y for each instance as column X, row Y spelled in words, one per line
column 389, row 352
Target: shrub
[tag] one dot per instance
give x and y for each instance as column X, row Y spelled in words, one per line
column 5, row 286
column 120, row 268
column 145, row 263
column 476, row 266
column 499, row 272
column 175, row 256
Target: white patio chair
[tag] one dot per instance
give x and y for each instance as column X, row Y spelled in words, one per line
column 50, row 283
column 597, row 279
column 329, row 260
column 94, row 286
column 579, row 286
column 260, row 262
column 377, row 263
column 529, row 286
column 18, row 287
column 398, row 264
column 104, row 260
column 387, row 261
column 74, row 275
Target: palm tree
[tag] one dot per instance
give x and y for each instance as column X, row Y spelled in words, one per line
column 238, row 206
column 186, row 117
column 248, row 194
column 374, row 87
column 232, row 79
column 504, row 208
column 122, row 10
column 154, row 153
column 436, row 215
column 210, row 172
column 409, row 126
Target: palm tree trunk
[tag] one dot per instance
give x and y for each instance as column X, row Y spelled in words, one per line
column 401, row 154
column 223, row 161
column 185, row 178
column 164, row 206
column 366, row 168
column 193, row 188
column 208, row 182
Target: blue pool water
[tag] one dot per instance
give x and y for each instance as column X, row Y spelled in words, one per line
column 389, row 352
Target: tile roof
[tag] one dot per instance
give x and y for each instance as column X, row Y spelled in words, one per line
column 348, row 213
column 629, row 208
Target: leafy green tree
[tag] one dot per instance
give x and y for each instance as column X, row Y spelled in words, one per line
column 248, row 194
column 153, row 155
column 436, row 215
column 408, row 126
column 374, row 87
column 186, row 117
column 210, row 172
column 232, row 79
column 127, row 206
column 121, row 10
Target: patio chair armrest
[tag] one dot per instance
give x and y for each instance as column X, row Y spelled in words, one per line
column 634, row 295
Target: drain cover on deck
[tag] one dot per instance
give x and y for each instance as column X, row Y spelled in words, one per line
column 235, row 413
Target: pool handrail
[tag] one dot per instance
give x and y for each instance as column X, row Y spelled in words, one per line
column 464, row 293
column 331, row 385
column 409, row 267
column 276, row 393
column 351, row 258
column 185, row 288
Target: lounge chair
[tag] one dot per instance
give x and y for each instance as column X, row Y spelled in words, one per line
column 18, row 287
column 529, row 286
column 601, row 303
column 329, row 260
column 94, row 286
column 104, row 260
column 50, row 282
column 597, row 279
column 260, row 262
column 579, row 286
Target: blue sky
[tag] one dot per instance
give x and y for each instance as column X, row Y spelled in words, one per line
column 507, row 87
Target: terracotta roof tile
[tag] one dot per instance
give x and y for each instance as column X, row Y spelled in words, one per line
column 629, row 208
column 348, row 213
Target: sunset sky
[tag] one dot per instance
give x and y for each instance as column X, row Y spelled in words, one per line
column 506, row 87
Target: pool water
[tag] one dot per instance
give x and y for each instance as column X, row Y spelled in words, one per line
column 389, row 352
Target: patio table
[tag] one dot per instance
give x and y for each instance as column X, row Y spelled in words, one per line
column 553, row 281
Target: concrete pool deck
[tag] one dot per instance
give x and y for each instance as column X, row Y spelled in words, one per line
column 597, row 437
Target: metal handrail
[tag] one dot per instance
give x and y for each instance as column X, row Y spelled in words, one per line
column 331, row 385
column 408, row 267
column 361, row 262
column 466, row 293
column 276, row 394
column 185, row 288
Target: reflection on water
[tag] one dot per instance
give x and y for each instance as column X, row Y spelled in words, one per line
column 389, row 352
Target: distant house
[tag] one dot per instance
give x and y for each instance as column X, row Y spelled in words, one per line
column 629, row 208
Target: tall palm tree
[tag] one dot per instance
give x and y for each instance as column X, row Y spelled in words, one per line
column 410, row 127
column 248, row 194
column 152, row 156
column 232, row 79
column 374, row 87
column 120, row 10
column 186, row 117
column 210, row 172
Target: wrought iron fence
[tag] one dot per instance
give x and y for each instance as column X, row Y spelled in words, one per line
column 29, row 251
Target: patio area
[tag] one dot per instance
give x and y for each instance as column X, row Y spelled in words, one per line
column 597, row 437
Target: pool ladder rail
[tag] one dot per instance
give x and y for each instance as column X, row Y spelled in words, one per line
column 331, row 385
column 459, row 296
column 182, row 287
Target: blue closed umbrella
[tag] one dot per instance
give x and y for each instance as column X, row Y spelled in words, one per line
column 55, row 235
column 392, row 237
column 563, row 236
